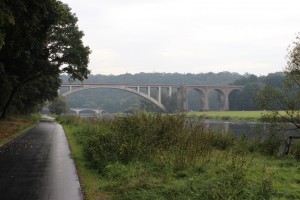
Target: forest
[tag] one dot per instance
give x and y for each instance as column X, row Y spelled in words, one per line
column 121, row 101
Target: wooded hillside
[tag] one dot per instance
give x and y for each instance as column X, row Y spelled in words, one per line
column 120, row 101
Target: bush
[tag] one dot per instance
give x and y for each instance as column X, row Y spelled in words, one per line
column 222, row 141
column 166, row 139
column 101, row 150
column 270, row 146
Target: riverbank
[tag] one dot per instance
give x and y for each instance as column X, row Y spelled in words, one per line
column 238, row 116
column 15, row 125
column 149, row 156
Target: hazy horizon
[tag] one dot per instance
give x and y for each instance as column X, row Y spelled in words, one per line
column 191, row 36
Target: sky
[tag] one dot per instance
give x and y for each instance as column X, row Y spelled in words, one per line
column 187, row 36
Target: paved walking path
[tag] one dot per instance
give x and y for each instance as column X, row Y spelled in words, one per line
column 37, row 166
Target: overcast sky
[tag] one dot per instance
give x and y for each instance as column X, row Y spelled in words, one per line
column 187, row 36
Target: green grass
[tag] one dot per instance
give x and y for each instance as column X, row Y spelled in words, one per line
column 229, row 115
column 176, row 164
column 89, row 179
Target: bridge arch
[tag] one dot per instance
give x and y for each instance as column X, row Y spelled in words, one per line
column 222, row 95
column 204, row 106
column 144, row 91
column 134, row 90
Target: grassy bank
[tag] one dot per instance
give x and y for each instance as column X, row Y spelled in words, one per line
column 229, row 115
column 15, row 125
column 161, row 157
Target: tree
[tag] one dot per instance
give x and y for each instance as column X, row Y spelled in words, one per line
column 6, row 19
column 170, row 102
column 286, row 98
column 275, row 80
column 58, row 106
column 40, row 40
column 245, row 99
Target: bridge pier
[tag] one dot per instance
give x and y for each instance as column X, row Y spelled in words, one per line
column 158, row 94
column 226, row 100
column 182, row 99
column 223, row 96
column 169, row 91
column 204, row 101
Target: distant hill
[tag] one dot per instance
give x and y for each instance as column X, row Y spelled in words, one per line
column 119, row 101
column 167, row 78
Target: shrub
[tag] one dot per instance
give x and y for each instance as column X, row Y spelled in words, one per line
column 168, row 139
column 101, row 150
column 222, row 141
column 270, row 146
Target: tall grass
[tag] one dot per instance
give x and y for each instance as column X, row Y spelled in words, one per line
column 153, row 156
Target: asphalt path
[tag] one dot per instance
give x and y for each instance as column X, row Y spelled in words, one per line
column 37, row 166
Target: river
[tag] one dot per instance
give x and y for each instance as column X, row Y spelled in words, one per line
column 247, row 129
column 239, row 129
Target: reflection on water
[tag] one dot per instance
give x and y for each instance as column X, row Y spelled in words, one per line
column 247, row 129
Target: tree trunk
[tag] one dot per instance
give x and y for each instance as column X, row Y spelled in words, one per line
column 4, row 111
column 14, row 91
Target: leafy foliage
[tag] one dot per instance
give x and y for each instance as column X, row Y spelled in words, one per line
column 58, row 106
column 286, row 98
column 246, row 99
column 39, row 41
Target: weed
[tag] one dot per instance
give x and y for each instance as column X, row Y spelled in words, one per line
column 154, row 156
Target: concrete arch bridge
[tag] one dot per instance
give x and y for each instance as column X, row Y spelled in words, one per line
column 153, row 92
column 77, row 111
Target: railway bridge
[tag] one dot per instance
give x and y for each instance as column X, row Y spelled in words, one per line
column 153, row 92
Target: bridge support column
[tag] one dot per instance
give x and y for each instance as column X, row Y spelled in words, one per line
column 182, row 99
column 224, row 99
column 169, row 90
column 149, row 91
column 204, row 101
column 158, row 94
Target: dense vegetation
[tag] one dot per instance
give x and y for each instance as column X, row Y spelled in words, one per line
column 39, row 40
column 121, row 101
column 153, row 156
column 286, row 97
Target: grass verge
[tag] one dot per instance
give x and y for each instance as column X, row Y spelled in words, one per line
column 89, row 179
